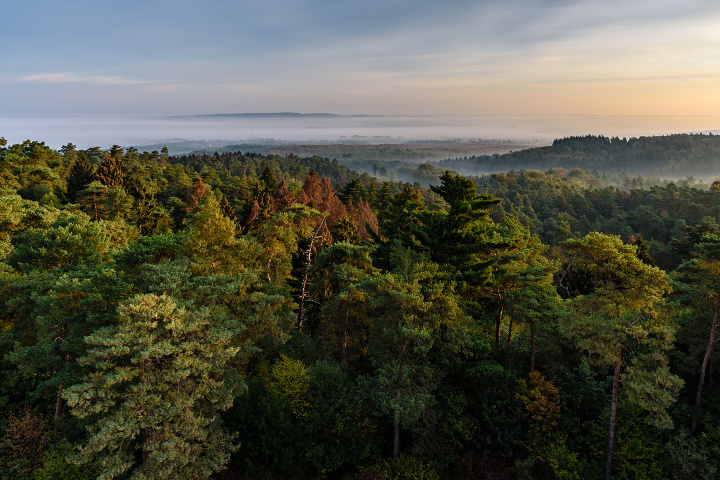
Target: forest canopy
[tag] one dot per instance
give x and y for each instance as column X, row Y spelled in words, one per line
column 249, row 316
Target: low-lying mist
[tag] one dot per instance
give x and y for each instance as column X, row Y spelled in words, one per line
column 218, row 130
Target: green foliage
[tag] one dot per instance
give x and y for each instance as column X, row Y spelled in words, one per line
column 410, row 309
column 565, row 464
column 541, row 401
column 272, row 444
column 55, row 465
column 150, row 249
column 290, row 378
column 639, row 452
column 460, row 237
column 24, row 441
column 81, row 173
column 691, row 458
column 158, row 305
column 70, row 240
column 620, row 315
column 557, row 206
column 51, row 313
column 665, row 156
column 492, row 403
column 111, row 171
column 157, row 381
column 402, row 468
column 342, row 434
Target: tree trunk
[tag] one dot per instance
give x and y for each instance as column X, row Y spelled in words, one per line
column 510, row 328
column 344, row 345
column 146, row 434
column 613, row 413
column 58, row 402
column 396, row 437
column 703, row 369
column 306, row 275
column 497, row 328
column 532, row 347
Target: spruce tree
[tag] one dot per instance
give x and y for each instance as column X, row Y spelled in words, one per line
column 81, row 174
column 111, row 172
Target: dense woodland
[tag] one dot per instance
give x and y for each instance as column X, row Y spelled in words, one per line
column 242, row 316
column 670, row 156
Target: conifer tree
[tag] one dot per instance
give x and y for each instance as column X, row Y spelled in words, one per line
column 320, row 195
column 346, row 230
column 70, row 240
column 195, row 195
column 459, row 238
column 520, row 281
column 101, row 202
column 282, row 197
column 211, row 242
column 111, row 171
column 268, row 181
column 700, row 290
column 344, row 319
column 619, row 322
column 157, row 382
column 415, row 318
column 81, row 174
column 364, row 218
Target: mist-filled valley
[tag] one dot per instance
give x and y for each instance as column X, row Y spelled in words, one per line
column 215, row 131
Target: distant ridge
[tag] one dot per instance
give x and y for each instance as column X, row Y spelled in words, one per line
column 268, row 115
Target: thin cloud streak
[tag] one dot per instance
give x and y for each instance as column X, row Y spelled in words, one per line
column 64, row 77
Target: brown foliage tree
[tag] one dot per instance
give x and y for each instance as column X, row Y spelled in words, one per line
column 363, row 217
column 111, row 172
column 196, row 193
column 282, row 197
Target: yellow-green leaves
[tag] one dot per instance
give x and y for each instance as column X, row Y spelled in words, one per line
column 291, row 379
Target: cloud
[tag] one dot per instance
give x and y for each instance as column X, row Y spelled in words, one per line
column 64, row 77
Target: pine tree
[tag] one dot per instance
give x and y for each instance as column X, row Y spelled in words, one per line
column 157, row 382
column 415, row 318
column 619, row 322
column 521, row 282
column 459, row 238
column 700, row 290
column 93, row 200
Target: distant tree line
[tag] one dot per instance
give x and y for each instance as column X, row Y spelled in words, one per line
column 670, row 156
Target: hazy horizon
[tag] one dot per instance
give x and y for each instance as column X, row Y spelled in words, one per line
column 88, row 130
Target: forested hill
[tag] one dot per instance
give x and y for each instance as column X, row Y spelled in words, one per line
column 671, row 156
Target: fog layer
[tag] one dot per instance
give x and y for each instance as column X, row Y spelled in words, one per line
column 105, row 130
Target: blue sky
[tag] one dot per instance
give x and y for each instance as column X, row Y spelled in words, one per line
column 361, row 57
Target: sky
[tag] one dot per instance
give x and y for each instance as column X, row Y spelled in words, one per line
column 383, row 57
